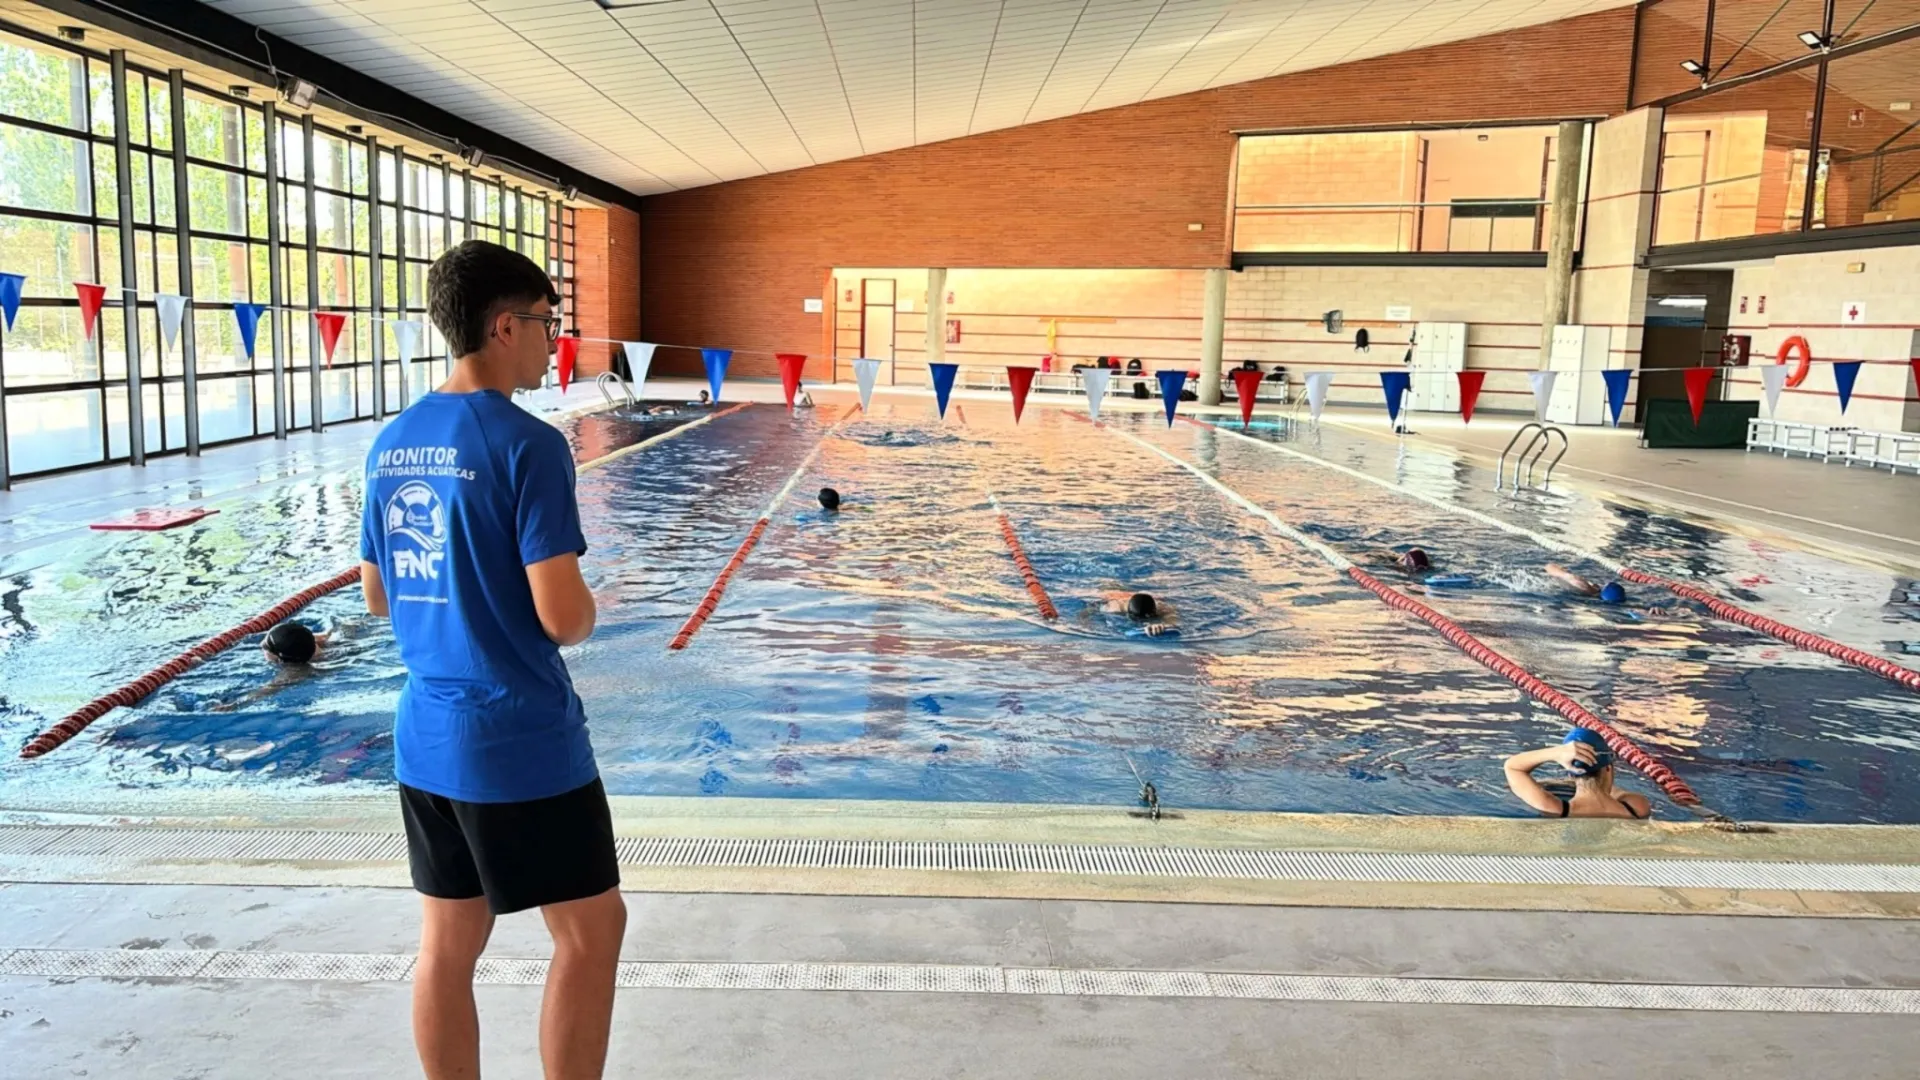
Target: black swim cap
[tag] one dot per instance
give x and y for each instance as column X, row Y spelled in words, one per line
column 830, row 498
column 1416, row 559
column 291, row 643
column 1141, row 606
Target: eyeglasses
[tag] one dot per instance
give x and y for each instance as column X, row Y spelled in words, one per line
column 552, row 321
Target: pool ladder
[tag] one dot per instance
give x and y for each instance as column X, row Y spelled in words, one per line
column 625, row 390
column 1537, row 446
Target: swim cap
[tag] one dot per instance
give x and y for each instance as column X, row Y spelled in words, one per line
column 829, row 498
column 291, row 643
column 1142, row 606
column 1602, row 753
column 1612, row 593
column 1416, row 559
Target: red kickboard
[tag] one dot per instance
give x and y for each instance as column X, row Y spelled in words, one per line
column 154, row 520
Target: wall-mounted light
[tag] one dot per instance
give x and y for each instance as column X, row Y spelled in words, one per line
column 472, row 155
column 571, row 193
column 75, row 34
column 1813, row 39
column 298, row 92
column 1694, row 68
column 240, row 90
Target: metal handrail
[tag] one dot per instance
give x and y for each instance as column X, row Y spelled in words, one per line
column 1500, row 473
column 625, row 390
column 1546, row 443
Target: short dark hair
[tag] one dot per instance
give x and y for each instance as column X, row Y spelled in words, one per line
column 1142, row 606
column 292, row 643
column 829, row 498
column 470, row 285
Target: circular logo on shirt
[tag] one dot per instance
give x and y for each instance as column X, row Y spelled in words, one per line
column 415, row 512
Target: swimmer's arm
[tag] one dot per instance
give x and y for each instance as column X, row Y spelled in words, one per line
column 1640, row 803
column 561, row 599
column 1520, row 781
column 1555, row 570
column 373, row 589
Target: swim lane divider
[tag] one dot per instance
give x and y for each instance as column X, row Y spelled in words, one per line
column 1538, row 689
column 1034, row 589
column 1753, row 620
column 709, row 602
column 137, row 690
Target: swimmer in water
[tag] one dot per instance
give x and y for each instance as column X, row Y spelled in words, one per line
column 805, row 401
column 829, row 499
column 1587, row 756
column 1154, row 616
column 1413, row 560
column 705, row 398
column 293, row 647
column 1610, row 593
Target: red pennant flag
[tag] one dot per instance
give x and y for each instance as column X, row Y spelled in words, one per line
column 1697, row 380
column 1916, row 372
column 90, row 299
column 330, row 323
column 1248, row 384
column 1020, row 380
column 1470, row 384
column 568, row 351
column 791, row 364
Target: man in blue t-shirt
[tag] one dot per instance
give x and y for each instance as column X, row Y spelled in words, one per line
column 470, row 543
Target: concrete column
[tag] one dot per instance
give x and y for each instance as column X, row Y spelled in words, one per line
column 937, row 315
column 1610, row 290
column 1565, row 200
column 1213, row 335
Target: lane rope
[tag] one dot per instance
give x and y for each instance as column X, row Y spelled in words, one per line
column 704, row 610
column 136, row 691
column 1034, row 588
column 1753, row 620
column 670, row 433
column 1539, row 689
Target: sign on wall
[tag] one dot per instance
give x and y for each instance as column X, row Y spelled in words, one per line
column 1399, row 312
column 812, row 305
column 1853, row 313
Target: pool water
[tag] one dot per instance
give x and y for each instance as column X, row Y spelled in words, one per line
column 891, row 651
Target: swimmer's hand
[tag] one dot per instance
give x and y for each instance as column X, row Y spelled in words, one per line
column 1566, row 754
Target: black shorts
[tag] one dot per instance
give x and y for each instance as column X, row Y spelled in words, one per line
column 518, row 855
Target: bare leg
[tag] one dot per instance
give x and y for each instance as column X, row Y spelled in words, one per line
column 446, row 1025
column 578, row 1009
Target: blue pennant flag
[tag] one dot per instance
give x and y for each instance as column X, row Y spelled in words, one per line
column 716, row 361
column 1396, row 384
column 942, row 384
column 1171, row 383
column 1844, row 372
column 1617, row 379
column 10, row 286
column 248, row 316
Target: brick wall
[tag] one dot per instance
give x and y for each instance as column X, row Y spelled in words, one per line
column 607, row 283
column 731, row 264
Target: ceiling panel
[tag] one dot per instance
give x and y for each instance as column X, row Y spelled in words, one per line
column 657, row 95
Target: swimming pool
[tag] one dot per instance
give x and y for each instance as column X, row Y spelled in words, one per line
column 893, row 652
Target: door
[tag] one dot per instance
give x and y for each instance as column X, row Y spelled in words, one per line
column 876, row 322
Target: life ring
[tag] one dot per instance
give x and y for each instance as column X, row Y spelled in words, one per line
column 1798, row 344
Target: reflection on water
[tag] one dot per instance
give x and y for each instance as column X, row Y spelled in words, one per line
column 890, row 650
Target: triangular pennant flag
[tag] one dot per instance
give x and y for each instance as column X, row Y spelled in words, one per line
column 1171, row 383
column 1019, row 380
column 791, row 365
column 1697, row 380
column 10, row 288
column 1542, row 391
column 1094, row 381
column 248, row 318
column 91, row 297
column 1916, row 371
column 566, row 353
column 639, row 360
column 1395, row 384
column 865, row 373
column 1773, row 379
column 406, row 340
column 1317, row 384
column 1844, row 372
column 942, row 384
column 329, row 323
column 1470, row 384
column 1247, row 382
column 171, row 309
column 716, row 361
column 1616, row 380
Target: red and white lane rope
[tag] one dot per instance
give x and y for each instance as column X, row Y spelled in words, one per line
column 1027, row 574
column 137, row 690
column 704, row 610
column 1539, row 689
column 1753, row 620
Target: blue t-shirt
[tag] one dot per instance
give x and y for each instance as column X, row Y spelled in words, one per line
column 464, row 492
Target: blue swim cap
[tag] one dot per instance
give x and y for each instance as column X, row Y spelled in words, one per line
column 1613, row 593
column 1602, row 753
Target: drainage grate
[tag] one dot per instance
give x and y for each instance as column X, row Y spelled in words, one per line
column 979, row 979
column 103, row 845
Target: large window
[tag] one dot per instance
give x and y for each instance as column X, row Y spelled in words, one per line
column 64, row 397
column 1461, row 190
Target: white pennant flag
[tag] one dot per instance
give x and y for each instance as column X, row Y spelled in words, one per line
column 1774, row 378
column 406, row 336
column 864, row 373
column 1542, row 391
column 1094, row 381
column 171, row 308
column 1317, row 384
column 639, row 359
